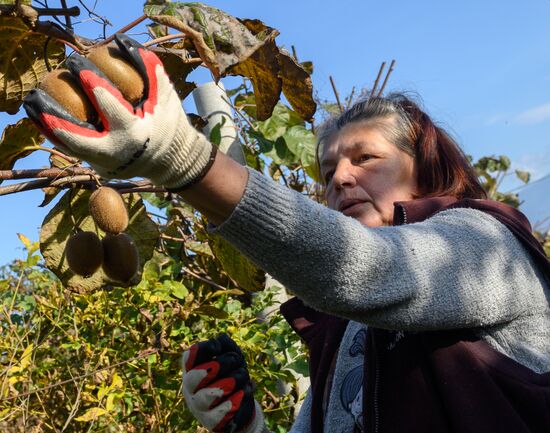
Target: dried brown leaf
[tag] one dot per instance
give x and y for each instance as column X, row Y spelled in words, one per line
column 297, row 86
column 219, row 38
column 18, row 141
column 22, row 61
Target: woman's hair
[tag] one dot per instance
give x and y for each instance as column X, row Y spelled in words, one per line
column 442, row 168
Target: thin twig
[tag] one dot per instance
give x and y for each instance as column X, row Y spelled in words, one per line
column 205, row 280
column 60, row 154
column 350, row 97
column 375, row 85
column 294, row 54
column 387, row 77
column 140, row 189
column 145, row 353
column 164, row 39
column 336, row 94
column 241, row 115
column 59, row 183
column 282, row 175
column 124, row 29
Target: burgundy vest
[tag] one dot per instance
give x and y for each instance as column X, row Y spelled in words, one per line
column 433, row 382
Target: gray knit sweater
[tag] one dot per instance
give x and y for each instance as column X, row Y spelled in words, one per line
column 460, row 268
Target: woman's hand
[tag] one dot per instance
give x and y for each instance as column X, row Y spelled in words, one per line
column 153, row 140
column 217, row 387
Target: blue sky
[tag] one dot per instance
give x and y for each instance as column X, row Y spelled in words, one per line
column 482, row 69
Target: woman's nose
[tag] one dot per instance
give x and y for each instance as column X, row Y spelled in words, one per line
column 343, row 176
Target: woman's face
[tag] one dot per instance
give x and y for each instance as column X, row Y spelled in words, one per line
column 365, row 173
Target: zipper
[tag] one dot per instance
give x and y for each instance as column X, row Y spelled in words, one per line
column 375, row 399
column 373, row 386
column 404, row 215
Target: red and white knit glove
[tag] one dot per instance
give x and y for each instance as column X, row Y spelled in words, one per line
column 153, row 140
column 217, row 387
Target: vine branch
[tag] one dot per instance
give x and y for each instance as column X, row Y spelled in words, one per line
column 65, row 177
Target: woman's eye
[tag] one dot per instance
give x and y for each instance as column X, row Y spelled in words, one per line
column 364, row 158
column 328, row 176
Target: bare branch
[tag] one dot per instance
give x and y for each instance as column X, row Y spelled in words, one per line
column 375, row 85
column 336, row 94
column 387, row 77
column 50, row 173
column 68, row 22
column 123, row 29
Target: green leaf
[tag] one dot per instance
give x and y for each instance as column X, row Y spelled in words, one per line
column 300, row 366
column 302, row 143
column 211, row 311
column 178, row 289
column 18, row 141
column 216, row 132
column 22, row 61
column 281, row 154
column 504, row 163
column 524, row 176
column 282, row 119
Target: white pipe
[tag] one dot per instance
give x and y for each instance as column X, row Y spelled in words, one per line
column 211, row 101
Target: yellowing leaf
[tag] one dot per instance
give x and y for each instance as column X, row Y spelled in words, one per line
column 239, row 268
column 111, row 402
column 22, row 61
column 102, row 392
column 116, row 383
column 91, row 414
column 26, row 241
column 26, row 357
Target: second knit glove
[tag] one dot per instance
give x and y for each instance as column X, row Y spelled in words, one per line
column 217, row 387
column 153, row 140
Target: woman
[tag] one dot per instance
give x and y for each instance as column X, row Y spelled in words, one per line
column 424, row 306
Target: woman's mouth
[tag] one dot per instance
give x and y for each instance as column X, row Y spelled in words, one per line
column 349, row 206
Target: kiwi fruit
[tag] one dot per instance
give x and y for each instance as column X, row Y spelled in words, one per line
column 121, row 257
column 109, row 60
column 84, row 253
column 64, row 88
column 108, row 210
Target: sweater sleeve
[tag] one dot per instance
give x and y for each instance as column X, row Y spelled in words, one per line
column 460, row 268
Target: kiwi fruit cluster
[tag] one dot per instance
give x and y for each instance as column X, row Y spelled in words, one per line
column 65, row 89
column 116, row 253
